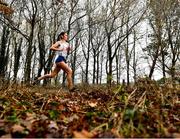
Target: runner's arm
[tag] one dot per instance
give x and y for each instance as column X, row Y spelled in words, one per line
column 56, row 47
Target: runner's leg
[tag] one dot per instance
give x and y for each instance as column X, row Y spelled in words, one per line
column 68, row 70
column 52, row 74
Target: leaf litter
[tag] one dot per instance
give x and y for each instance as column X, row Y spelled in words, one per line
column 143, row 110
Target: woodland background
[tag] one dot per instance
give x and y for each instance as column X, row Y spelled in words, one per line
column 112, row 40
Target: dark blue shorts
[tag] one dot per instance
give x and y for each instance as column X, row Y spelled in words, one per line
column 60, row 59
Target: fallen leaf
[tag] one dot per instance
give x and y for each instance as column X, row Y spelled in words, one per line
column 2, row 123
column 93, row 104
column 43, row 117
column 116, row 132
column 83, row 134
column 176, row 118
column 8, row 136
column 70, row 119
column 53, row 125
column 17, row 128
column 61, row 107
column 176, row 135
column 88, row 134
column 30, row 116
column 79, row 135
column 27, row 124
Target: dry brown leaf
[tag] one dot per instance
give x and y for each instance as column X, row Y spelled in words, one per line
column 74, row 108
column 176, row 135
column 30, row 117
column 17, row 128
column 61, row 107
column 79, row 135
column 2, row 123
column 93, row 104
column 7, row 136
column 115, row 132
column 88, row 134
column 53, row 125
column 83, row 134
column 27, row 124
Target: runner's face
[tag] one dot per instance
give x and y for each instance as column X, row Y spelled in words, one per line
column 65, row 37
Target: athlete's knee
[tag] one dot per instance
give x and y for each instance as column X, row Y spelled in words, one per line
column 69, row 72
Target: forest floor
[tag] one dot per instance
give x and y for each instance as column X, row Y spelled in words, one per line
column 143, row 110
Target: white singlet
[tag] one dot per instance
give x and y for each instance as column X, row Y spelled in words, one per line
column 64, row 52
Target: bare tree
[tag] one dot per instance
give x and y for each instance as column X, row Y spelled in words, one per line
column 6, row 10
column 172, row 25
column 97, row 42
column 115, row 23
column 164, row 22
column 17, row 55
column 156, row 25
column 4, row 50
column 31, row 18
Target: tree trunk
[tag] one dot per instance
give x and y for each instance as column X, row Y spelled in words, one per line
column 17, row 55
column 28, row 59
column 117, row 69
column 41, row 47
column 3, row 56
column 29, row 51
column 101, row 69
column 127, row 50
column 109, row 74
column 98, row 69
column 153, row 63
column 134, row 58
column 127, row 64
column 74, row 58
column 163, row 64
column 94, row 65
